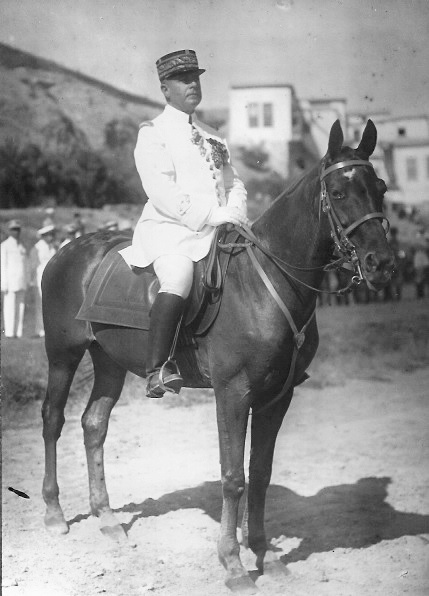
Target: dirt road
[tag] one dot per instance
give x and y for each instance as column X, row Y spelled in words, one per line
column 348, row 508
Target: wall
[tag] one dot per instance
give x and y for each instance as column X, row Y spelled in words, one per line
column 275, row 138
column 412, row 192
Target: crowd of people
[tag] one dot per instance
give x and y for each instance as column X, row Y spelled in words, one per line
column 22, row 270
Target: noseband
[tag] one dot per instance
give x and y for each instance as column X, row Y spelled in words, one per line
column 339, row 234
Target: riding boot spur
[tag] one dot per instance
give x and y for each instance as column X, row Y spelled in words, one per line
column 162, row 372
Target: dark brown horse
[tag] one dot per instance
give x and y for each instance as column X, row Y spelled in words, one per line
column 253, row 355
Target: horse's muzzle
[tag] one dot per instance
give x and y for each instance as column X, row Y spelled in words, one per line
column 378, row 269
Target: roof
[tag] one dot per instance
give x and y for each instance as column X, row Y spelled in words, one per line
column 408, row 143
column 326, row 100
column 263, row 86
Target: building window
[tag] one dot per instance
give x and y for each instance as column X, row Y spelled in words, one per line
column 252, row 109
column 268, row 114
column 411, row 168
column 402, row 132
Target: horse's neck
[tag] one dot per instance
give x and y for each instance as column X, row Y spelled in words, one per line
column 291, row 227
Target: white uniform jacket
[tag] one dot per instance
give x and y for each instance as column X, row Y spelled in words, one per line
column 183, row 185
column 40, row 254
column 14, row 266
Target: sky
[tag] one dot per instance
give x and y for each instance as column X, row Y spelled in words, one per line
column 373, row 53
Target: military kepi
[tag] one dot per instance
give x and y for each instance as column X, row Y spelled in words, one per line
column 176, row 63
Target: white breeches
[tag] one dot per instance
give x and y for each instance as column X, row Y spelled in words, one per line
column 175, row 274
column 13, row 313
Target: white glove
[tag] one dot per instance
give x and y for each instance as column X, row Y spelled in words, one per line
column 223, row 215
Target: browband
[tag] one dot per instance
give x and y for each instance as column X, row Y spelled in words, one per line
column 344, row 164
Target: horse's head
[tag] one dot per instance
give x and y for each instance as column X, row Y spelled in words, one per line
column 352, row 198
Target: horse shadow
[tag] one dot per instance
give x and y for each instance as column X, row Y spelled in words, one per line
column 344, row 516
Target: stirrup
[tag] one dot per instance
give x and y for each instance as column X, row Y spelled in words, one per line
column 166, row 379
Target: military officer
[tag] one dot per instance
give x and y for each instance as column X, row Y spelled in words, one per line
column 14, row 280
column 192, row 188
column 40, row 254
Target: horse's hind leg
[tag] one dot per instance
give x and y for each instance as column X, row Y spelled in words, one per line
column 108, row 382
column 264, row 430
column 62, row 368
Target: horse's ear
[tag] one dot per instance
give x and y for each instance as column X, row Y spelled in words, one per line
column 336, row 139
column 369, row 139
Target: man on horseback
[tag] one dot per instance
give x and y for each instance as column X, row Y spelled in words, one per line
column 192, row 188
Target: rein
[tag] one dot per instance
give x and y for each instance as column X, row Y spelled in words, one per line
column 343, row 244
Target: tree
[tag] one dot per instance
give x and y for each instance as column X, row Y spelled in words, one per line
column 120, row 132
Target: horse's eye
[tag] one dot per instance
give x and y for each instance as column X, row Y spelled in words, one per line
column 337, row 194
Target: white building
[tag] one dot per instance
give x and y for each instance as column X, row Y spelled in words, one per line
column 263, row 117
column 320, row 114
column 402, row 155
column 269, row 120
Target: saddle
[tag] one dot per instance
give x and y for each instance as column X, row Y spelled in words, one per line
column 122, row 296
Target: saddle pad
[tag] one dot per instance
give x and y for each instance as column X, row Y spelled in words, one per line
column 118, row 295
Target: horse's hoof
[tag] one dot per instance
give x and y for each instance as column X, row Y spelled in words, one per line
column 56, row 524
column 110, row 527
column 116, row 533
column 276, row 569
column 242, row 585
column 269, row 564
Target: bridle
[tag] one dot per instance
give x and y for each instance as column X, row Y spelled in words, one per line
column 339, row 234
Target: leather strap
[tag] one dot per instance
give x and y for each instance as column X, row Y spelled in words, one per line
column 344, row 164
column 298, row 336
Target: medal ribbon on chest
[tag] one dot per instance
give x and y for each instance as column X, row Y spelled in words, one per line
column 218, row 151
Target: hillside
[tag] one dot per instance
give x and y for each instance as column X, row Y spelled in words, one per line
column 35, row 92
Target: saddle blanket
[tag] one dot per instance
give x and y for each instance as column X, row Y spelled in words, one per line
column 121, row 296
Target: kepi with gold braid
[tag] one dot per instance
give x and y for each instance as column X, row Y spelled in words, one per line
column 177, row 63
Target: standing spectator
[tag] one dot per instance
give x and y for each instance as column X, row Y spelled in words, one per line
column 14, row 274
column 40, row 254
column 393, row 291
column 49, row 219
column 421, row 266
column 80, row 226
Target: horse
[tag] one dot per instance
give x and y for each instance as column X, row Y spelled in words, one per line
column 254, row 354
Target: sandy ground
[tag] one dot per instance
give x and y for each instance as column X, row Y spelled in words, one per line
column 347, row 510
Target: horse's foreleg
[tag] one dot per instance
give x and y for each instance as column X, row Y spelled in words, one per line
column 232, row 416
column 61, row 372
column 108, row 382
column 264, row 430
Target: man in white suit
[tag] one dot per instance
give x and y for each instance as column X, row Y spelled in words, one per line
column 192, row 188
column 14, row 280
column 41, row 253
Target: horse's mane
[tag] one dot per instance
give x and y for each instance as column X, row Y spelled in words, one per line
column 304, row 186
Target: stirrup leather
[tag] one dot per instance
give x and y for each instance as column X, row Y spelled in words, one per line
column 166, row 379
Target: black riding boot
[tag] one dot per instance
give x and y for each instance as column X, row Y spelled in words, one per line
column 164, row 318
